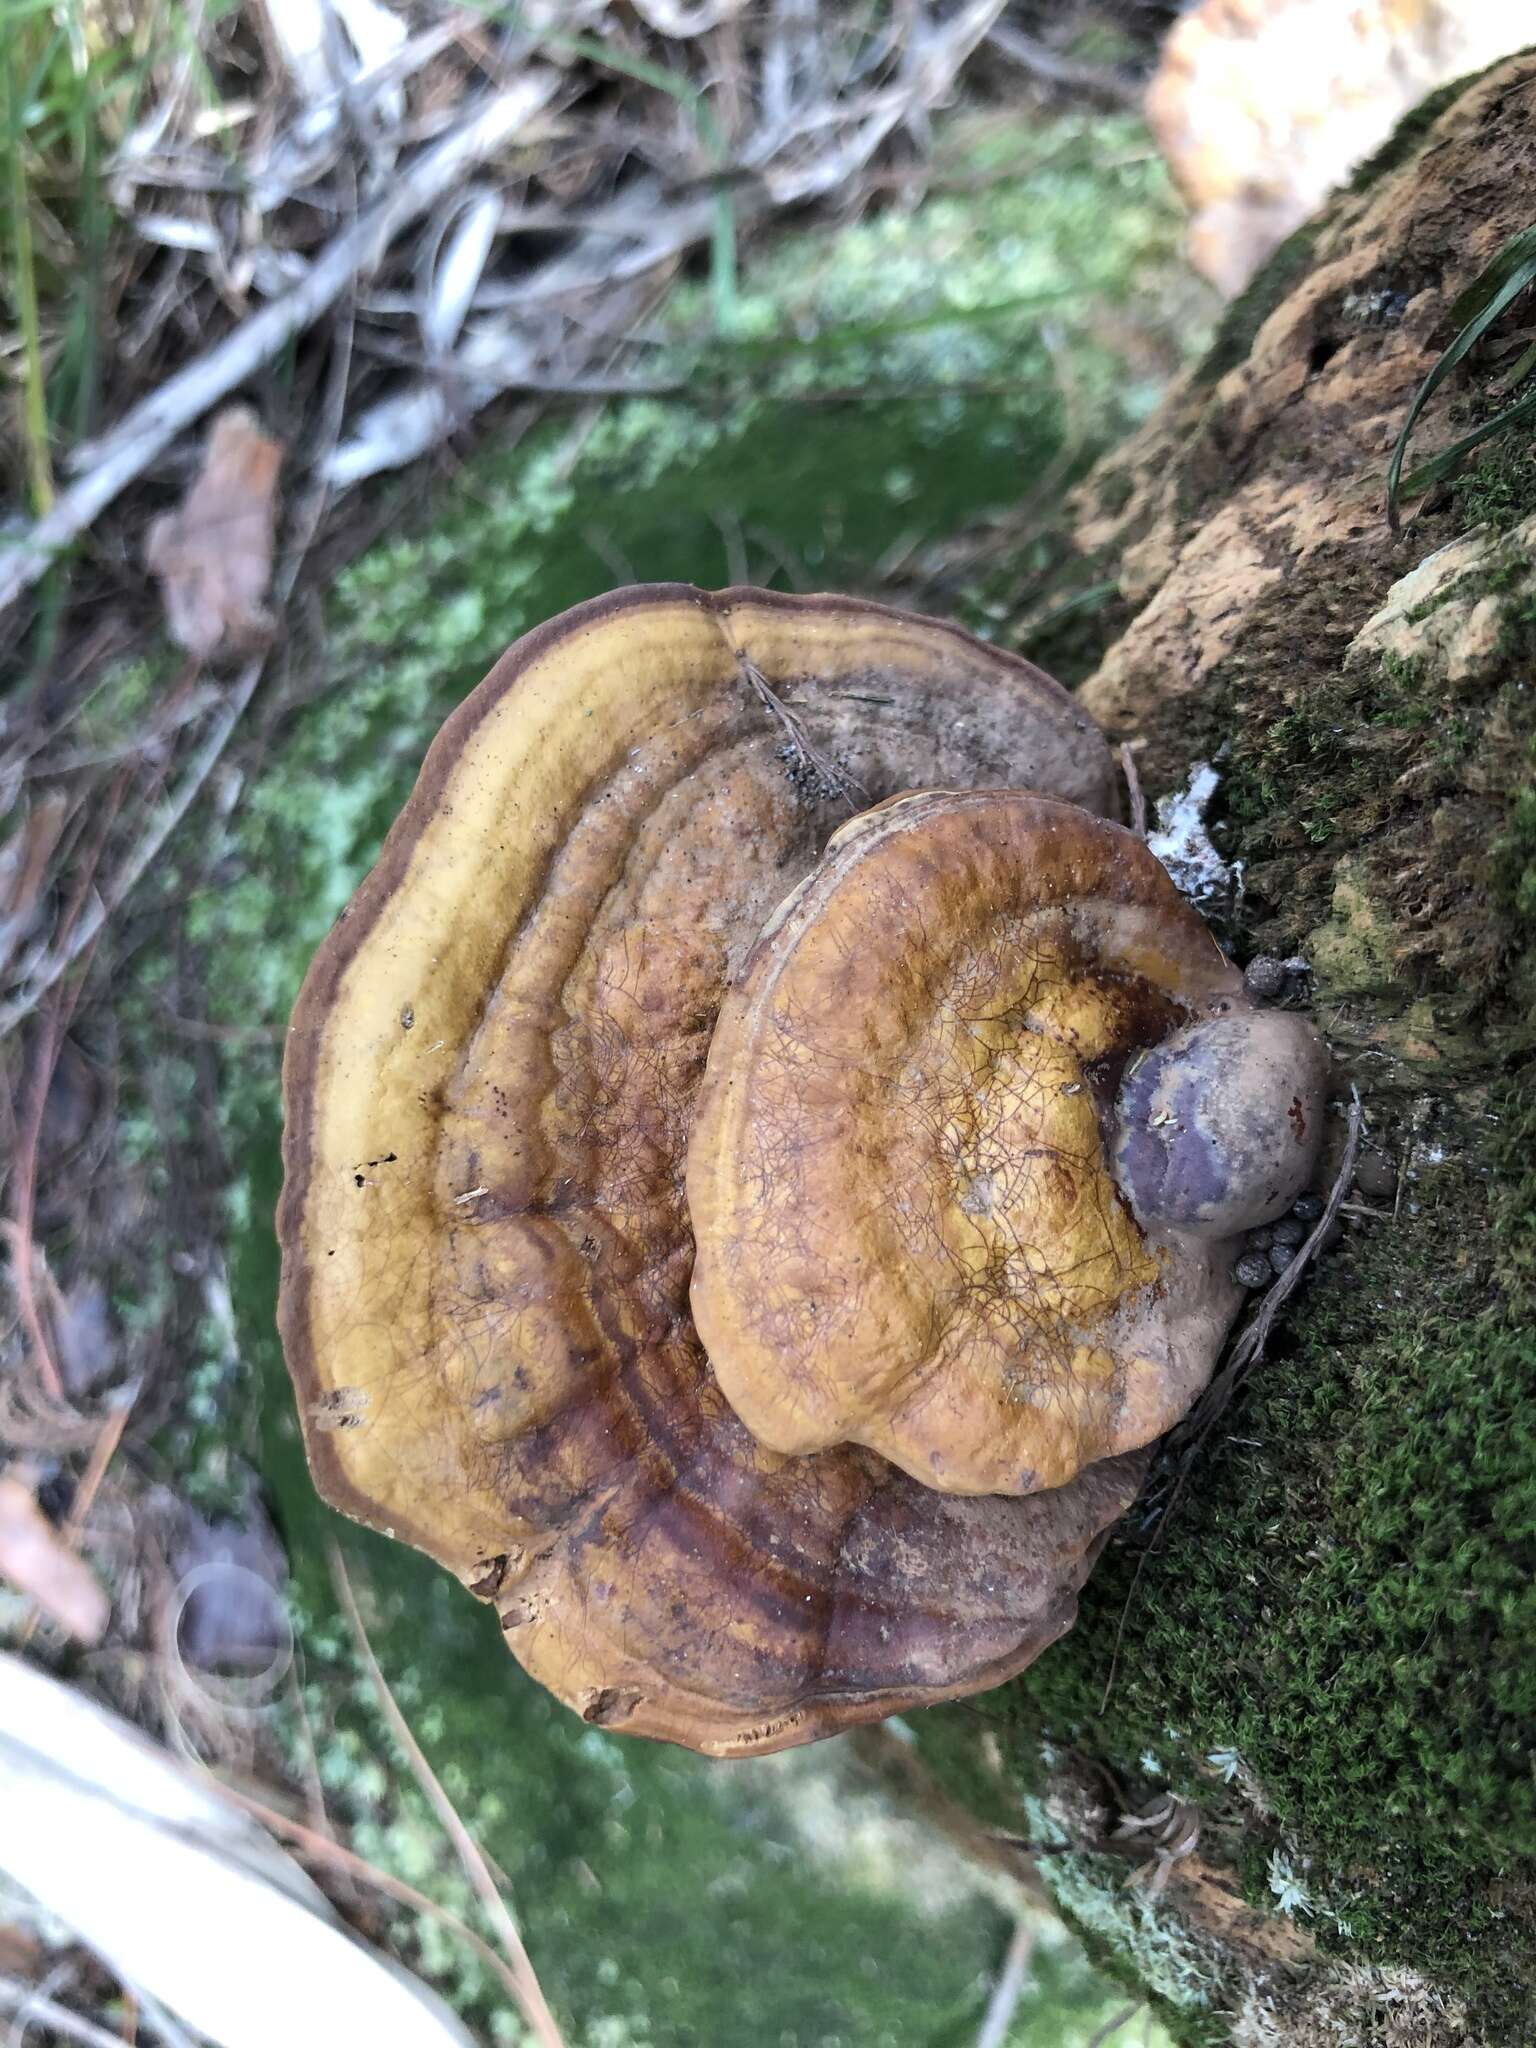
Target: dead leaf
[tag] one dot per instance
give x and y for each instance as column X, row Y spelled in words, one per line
column 214, row 556
column 36, row 1561
column 24, row 860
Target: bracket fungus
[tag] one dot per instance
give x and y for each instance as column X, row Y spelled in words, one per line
column 494, row 1135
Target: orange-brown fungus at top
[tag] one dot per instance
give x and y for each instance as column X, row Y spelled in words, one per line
column 491, row 1083
column 908, row 1234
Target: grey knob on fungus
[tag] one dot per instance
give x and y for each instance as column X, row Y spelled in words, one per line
column 1217, row 1129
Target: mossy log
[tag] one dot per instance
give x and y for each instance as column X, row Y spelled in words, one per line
column 1331, row 1647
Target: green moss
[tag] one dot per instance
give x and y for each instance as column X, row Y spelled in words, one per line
column 1247, row 313
column 1498, row 489
column 1407, row 136
column 1342, row 1612
column 1353, row 949
column 1341, row 1615
column 1515, row 851
column 1360, row 1539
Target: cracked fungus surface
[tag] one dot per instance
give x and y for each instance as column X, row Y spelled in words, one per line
column 908, row 1234
column 490, row 1082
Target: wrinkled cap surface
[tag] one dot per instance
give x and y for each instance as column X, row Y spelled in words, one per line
column 490, row 1083
column 908, row 1234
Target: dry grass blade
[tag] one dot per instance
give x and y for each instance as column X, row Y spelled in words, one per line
column 33, row 2008
column 827, row 779
column 154, row 423
column 324, row 1849
column 527, row 1989
column 1134, row 791
column 1009, row 1988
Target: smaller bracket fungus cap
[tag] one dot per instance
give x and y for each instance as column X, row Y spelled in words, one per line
column 908, row 1233
column 1218, row 1129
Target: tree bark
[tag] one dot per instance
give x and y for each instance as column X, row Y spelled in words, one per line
column 1330, row 1652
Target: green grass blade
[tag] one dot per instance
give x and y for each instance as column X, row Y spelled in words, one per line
column 34, row 397
column 1439, row 466
column 723, row 264
column 856, row 333
column 1509, row 272
column 1503, row 280
column 722, row 260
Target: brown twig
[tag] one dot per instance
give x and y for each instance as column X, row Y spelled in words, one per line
column 1122, row 2018
column 530, row 1995
column 1246, row 1352
column 103, row 1451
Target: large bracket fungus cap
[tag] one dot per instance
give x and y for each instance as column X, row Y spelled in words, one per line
column 909, row 1235
column 490, row 1084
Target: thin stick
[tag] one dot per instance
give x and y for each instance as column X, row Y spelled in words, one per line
column 1008, row 1989
column 834, row 781
column 154, row 423
column 81, row 932
column 1243, row 1357
column 26, row 1137
column 103, row 1451
column 530, row 1994
column 93, row 919
column 1030, row 54
column 314, row 1791
column 1249, row 1348
column 1121, row 2019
